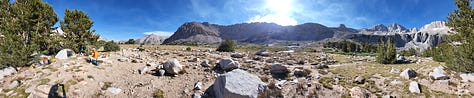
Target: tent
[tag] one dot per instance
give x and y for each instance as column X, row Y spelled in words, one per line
column 64, row 54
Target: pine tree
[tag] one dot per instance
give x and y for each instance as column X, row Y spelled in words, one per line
column 462, row 22
column 26, row 26
column 386, row 52
column 77, row 26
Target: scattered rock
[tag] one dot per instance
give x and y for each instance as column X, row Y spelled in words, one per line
column 298, row 72
column 438, row 74
column 236, row 84
column 321, row 66
column 228, row 64
column 172, row 66
column 151, row 64
column 414, row 87
column 114, row 90
column 7, row 72
column 359, row 80
column 14, row 84
column 198, row 86
column 394, row 70
column 142, row 70
column 237, row 55
column 195, row 95
column 194, row 60
column 467, row 77
column 262, row 53
column 278, row 68
column 123, row 59
column 388, row 96
column 357, row 92
column 205, row 63
column 29, row 90
column 408, row 73
column 161, row 72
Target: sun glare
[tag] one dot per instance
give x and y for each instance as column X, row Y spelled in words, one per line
column 279, row 13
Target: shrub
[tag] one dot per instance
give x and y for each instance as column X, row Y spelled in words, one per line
column 188, row 49
column 158, row 94
column 226, row 46
column 130, row 41
column 111, row 46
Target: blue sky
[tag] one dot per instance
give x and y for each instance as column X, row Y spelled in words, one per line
column 124, row 19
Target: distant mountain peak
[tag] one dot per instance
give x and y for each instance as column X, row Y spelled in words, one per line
column 150, row 39
column 397, row 28
column 378, row 27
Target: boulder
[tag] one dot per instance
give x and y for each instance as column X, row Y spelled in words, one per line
column 438, row 74
column 467, row 77
column 359, row 80
column 205, row 63
column 262, row 53
column 298, row 72
column 142, row 70
column 198, row 86
column 172, row 66
column 278, row 68
column 228, row 64
column 14, row 84
column 237, row 55
column 414, row 87
column 408, row 73
column 322, row 66
column 8, row 71
column 357, row 92
column 236, row 84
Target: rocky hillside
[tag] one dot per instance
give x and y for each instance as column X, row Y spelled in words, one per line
column 259, row 33
column 151, row 39
column 265, row 33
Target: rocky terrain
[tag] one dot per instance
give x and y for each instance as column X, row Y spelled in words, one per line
column 268, row 33
column 150, row 39
column 173, row 72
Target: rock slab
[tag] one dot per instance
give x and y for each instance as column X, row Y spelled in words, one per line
column 236, row 84
column 408, row 73
column 414, row 87
column 172, row 66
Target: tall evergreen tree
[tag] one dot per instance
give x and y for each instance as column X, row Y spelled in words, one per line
column 386, row 52
column 77, row 26
column 462, row 22
column 25, row 25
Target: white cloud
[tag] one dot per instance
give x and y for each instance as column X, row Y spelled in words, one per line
column 159, row 33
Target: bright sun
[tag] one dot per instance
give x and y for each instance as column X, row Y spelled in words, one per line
column 279, row 6
column 278, row 11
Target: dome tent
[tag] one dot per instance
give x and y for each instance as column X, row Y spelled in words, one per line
column 64, row 54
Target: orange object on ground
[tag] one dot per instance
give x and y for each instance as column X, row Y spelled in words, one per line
column 96, row 54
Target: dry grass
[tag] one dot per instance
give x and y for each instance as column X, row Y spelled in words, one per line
column 372, row 68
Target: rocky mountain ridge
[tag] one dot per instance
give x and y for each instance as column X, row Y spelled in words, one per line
column 265, row 33
column 150, row 39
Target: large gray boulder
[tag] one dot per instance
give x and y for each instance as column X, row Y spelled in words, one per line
column 228, row 64
column 408, row 73
column 438, row 74
column 414, row 87
column 278, row 68
column 172, row 66
column 236, row 84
